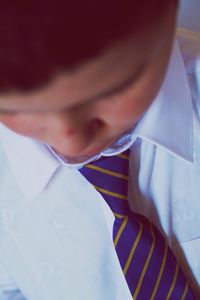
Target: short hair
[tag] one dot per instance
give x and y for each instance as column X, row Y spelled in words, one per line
column 41, row 38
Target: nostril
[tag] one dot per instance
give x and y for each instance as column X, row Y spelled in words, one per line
column 94, row 126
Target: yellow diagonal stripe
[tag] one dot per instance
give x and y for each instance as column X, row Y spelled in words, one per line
column 133, row 249
column 173, row 282
column 123, row 156
column 146, row 265
column 116, row 195
column 161, row 271
column 120, row 231
column 119, row 216
column 185, row 291
column 105, row 171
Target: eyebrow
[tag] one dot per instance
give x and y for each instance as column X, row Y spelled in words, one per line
column 120, row 88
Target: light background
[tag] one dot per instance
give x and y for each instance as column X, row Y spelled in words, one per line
column 189, row 14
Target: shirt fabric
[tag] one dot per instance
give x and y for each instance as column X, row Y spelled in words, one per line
column 56, row 229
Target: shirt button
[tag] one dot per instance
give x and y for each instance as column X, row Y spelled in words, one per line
column 188, row 216
column 58, row 224
column 48, row 268
column 7, row 215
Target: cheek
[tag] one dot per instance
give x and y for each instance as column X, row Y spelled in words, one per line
column 128, row 108
column 124, row 111
column 20, row 124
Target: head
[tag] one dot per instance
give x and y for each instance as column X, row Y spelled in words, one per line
column 79, row 75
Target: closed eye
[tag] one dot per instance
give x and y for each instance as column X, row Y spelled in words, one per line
column 8, row 112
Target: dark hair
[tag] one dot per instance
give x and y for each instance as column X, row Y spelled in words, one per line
column 40, row 38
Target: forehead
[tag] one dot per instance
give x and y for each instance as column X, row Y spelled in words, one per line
column 100, row 76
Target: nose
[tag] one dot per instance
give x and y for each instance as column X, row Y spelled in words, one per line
column 73, row 133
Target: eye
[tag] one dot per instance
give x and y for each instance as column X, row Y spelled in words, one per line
column 8, row 112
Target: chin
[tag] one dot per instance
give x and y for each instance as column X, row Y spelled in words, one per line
column 90, row 151
column 79, row 157
column 82, row 156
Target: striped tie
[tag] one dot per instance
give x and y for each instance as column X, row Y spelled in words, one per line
column 150, row 268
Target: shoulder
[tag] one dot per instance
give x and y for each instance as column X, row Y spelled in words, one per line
column 189, row 43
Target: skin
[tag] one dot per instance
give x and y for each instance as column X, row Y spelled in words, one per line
column 83, row 112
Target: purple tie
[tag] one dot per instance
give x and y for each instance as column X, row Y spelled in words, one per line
column 150, row 268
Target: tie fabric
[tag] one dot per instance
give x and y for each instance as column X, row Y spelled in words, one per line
column 150, row 268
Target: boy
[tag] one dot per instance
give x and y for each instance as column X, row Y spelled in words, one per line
column 81, row 80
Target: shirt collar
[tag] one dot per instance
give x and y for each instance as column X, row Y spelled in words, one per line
column 169, row 120
column 34, row 165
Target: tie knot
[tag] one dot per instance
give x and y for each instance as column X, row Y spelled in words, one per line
column 109, row 175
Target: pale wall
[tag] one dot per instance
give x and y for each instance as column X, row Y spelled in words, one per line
column 189, row 14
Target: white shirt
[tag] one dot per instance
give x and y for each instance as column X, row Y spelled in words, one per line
column 55, row 228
